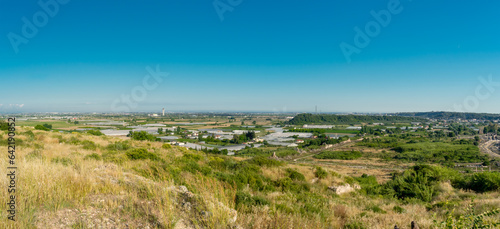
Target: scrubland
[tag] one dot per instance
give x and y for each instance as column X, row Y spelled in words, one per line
column 75, row 180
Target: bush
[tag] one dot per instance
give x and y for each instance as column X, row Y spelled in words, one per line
column 369, row 184
column 479, row 182
column 29, row 133
column 95, row 132
column 470, row 219
column 398, row 209
column 245, row 199
column 142, row 136
column 40, row 127
column 4, row 125
column 419, row 182
column 376, row 209
column 340, row 155
column 62, row 160
column 287, row 184
column 141, row 154
column 192, row 156
column 320, row 173
column 114, row 157
column 89, row 145
column 166, row 146
column 264, row 161
column 286, row 152
column 35, row 154
column 119, row 146
column 354, row 225
column 295, row 175
column 94, row 156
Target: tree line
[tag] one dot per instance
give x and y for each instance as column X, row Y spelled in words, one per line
column 302, row 119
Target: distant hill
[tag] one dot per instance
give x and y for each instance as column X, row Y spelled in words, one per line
column 301, row 119
column 451, row 115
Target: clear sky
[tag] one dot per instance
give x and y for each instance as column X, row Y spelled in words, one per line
column 250, row 55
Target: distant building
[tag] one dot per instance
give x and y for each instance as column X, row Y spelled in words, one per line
column 353, row 128
column 318, row 126
column 292, row 145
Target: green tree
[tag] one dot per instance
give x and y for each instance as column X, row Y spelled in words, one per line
column 250, row 135
column 41, row 127
column 141, row 136
column 4, row 125
column 95, row 132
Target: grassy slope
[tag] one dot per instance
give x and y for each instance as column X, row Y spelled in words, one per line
column 62, row 186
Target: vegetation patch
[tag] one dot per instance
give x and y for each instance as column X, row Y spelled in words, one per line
column 141, row 154
column 340, row 155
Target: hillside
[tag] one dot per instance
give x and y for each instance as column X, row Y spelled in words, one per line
column 74, row 180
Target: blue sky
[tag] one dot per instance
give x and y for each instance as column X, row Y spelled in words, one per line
column 263, row 56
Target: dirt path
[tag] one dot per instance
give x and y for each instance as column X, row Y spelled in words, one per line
column 486, row 147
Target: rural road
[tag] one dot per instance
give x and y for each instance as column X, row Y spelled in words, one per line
column 486, row 147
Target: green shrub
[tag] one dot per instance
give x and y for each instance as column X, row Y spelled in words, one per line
column 419, row 182
column 141, row 154
column 40, row 127
column 340, row 155
column 479, row 182
column 192, row 156
column 193, row 167
column 95, row 132
column 119, row 146
column 89, row 145
column 114, row 157
column 470, row 219
column 354, row 225
column 94, row 156
column 62, row 160
column 295, row 175
column 264, row 161
column 286, row 152
column 4, row 125
column 73, row 140
column 369, row 184
column 142, row 136
column 349, row 180
column 222, row 163
column 288, row 185
column 245, row 199
column 320, row 173
column 29, row 133
column 376, row 209
column 35, row 154
column 398, row 209
column 166, row 146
